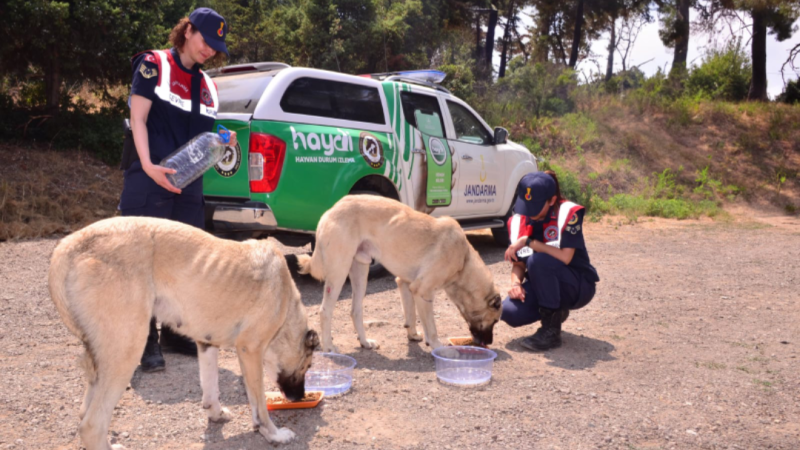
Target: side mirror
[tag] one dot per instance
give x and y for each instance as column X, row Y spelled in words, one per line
column 500, row 135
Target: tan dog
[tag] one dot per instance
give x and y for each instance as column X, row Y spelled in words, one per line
column 109, row 278
column 424, row 253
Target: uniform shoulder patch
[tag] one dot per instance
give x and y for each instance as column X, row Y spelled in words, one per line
column 574, row 219
column 147, row 72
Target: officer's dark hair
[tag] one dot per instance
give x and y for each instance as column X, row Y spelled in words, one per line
column 178, row 39
column 559, row 198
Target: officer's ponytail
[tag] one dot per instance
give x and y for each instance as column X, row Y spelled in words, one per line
column 559, row 198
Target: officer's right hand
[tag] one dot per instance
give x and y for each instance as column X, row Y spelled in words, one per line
column 159, row 175
column 517, row 292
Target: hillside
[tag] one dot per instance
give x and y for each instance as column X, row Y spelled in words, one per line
column 619, row 156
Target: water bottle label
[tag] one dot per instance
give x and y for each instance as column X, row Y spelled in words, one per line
column 195, row 155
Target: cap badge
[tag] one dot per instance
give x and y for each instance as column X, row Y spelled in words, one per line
column 221, row 26
column 528, row 195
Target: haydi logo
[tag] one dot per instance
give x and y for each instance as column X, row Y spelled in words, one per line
column 528, row 195
column 221, row 26
column 330, row 142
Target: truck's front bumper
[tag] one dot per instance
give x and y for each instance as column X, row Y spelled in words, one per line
column 244, row 216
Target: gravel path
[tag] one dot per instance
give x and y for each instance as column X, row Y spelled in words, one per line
column 691, row 343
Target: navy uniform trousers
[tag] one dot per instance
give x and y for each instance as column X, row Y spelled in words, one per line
column 141, row 196
column 549, row 284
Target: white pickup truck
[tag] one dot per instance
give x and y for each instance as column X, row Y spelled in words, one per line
column 308, row 137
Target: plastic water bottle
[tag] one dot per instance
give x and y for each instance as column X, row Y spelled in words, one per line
column 196, row 156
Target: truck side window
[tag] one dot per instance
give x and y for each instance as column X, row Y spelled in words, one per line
column 333, row 99
column 419, row 102
column 468, row 127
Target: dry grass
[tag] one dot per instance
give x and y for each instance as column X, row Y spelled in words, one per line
column 44, row 192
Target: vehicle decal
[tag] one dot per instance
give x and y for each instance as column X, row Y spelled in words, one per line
column 229, row 164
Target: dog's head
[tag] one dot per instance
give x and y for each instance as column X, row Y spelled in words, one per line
column 477, row 298
column 288, row 356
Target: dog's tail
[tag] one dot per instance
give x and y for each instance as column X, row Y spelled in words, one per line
column 312, row 265
column 60, row 264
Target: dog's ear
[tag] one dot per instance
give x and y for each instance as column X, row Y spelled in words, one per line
column 496, row 302
column 312, row 339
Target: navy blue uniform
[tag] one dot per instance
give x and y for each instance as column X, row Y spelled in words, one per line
column 548, row 282
column 184, row 105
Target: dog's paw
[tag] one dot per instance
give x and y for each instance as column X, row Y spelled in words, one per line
column 330, row 349
column 435, row 344
column 414, row 337
column 281, row 436
column 118, row 447
column 224, row 415
column 371, row 344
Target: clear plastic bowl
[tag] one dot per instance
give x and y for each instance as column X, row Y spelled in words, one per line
column 330, row 373
column 463, row 365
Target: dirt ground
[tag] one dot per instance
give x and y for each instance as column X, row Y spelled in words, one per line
column 690, row 343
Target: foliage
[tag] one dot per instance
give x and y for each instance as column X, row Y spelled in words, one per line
column 791, row 93
column 724, row 74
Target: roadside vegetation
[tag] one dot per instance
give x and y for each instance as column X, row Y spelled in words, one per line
column 684, row 144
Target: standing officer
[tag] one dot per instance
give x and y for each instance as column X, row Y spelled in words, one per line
column 171, row 102
column 551, row 271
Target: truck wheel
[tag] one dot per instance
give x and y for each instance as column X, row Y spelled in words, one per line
column 500, row 234
column 376, row 269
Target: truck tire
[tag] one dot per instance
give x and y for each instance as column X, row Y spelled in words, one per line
column 500, row 234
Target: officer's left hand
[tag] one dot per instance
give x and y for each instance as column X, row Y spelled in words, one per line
column 511, row 251
column 233, row 140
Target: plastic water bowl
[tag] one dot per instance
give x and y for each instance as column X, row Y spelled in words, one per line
column 464, row 366
column 330, row 373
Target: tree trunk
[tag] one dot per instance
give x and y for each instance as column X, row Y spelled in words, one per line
column 478, row 52
column 612, row 43
column 758, row 83
column 52, row 84
column 682, row 29
column 490, row 37
column 542, row 45
column 576, row 35
column 506, row 38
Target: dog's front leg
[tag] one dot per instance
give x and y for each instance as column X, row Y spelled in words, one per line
column 250, row 361
column 409, row 310
column 425, row 309
column 209, row 380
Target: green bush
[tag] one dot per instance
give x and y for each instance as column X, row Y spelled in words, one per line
column 791, row 93
column 76, row 126
column 724, row 75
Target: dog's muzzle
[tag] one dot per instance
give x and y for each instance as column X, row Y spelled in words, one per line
column 482, row 336
column 292, row 386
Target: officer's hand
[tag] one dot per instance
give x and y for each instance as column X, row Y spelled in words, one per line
column 511, row 251
column 232, row 143
column 159, row 175
column 517, row 292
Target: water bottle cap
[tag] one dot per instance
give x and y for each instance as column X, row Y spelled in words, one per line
column 224, row 134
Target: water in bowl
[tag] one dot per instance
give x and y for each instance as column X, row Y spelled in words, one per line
column 461, row 376
column 330, row 384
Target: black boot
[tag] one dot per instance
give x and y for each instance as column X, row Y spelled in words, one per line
column 564, row 315
column 172, row 342
column 549, row 335
column 152, row 360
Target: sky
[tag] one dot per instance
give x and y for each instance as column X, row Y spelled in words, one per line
column 648, row 45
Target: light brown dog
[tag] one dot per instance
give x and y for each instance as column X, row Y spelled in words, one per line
column 109, row 278
column 424, row 253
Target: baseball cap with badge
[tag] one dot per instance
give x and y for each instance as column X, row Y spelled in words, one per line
column 212, row 26
column 533, row 191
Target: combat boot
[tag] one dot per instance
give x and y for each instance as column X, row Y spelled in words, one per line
column 152, row 359
column 549, row 335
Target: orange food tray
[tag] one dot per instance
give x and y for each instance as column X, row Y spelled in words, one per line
column 461, row 340
column 275, row 400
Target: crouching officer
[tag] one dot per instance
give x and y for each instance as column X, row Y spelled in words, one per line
column 551, row 272
column 171, row 102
